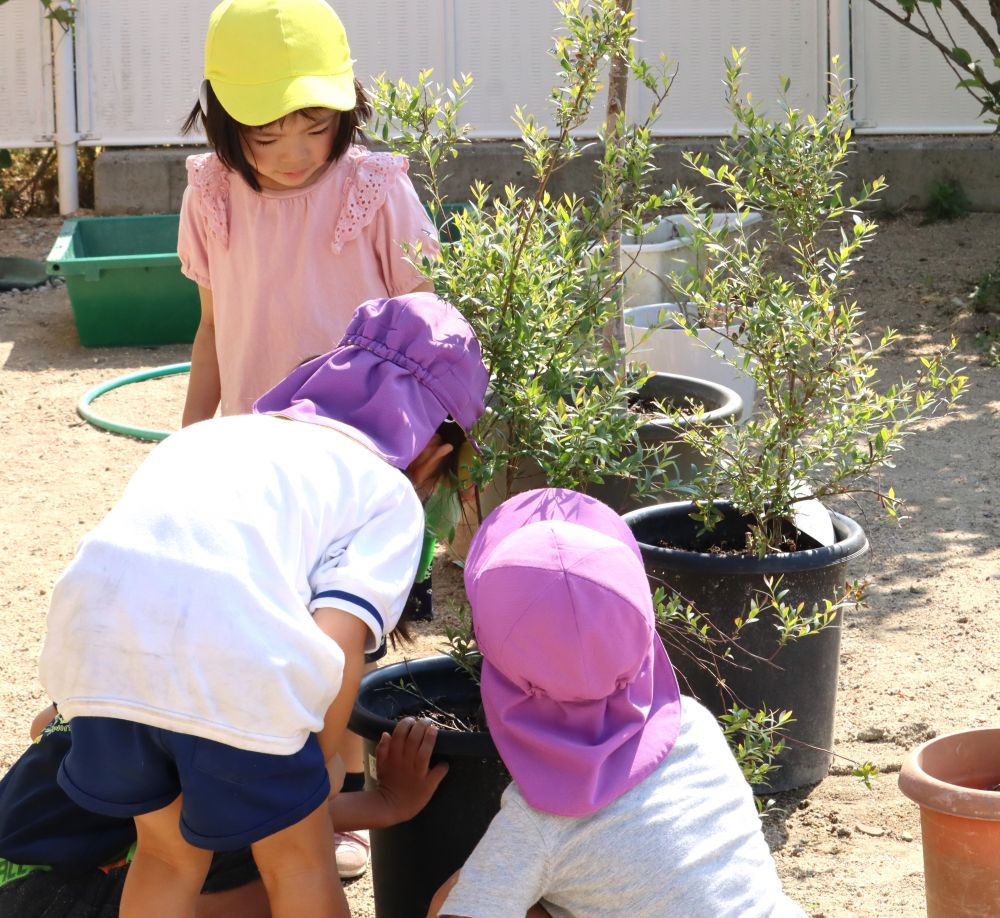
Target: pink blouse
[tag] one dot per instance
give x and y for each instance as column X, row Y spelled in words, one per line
column 288, row 268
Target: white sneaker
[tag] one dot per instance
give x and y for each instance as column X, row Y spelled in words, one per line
column 351, row 849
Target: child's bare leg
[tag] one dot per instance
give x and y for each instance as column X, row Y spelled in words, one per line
column 352, row 749
column 248, row 901
column 42, row 719
column 167, row 873
column 299, row 870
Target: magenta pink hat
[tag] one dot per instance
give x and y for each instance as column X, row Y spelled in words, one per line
column 404, row 365
column 580, row 697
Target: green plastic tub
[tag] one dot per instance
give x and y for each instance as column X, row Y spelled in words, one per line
column 124, row 281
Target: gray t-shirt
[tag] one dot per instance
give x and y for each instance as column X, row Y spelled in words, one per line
column 685, row 842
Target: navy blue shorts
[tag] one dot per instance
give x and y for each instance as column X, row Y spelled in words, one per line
column 232, row 798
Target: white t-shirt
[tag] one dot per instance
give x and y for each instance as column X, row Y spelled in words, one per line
column 684, row 843
column 189, row 606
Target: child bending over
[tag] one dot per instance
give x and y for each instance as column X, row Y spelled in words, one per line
column 207, row 641
column 625, row 797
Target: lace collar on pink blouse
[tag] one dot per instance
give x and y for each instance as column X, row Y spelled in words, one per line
column 369, row 179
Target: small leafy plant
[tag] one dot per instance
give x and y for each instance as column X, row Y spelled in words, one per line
column 947, row 201
column 823, row 426
column 986, row 296
column 988, row 345
column 536, row 273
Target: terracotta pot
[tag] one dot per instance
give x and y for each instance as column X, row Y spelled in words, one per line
column 960, row 821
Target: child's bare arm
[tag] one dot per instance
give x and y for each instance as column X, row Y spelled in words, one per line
column 204, row 388
column 350, row 633
column 405, row 780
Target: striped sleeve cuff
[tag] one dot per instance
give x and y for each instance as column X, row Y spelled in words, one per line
column 355, row 604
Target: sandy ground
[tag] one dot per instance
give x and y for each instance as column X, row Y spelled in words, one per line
column 919, row 660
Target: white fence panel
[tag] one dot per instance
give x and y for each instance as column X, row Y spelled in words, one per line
column 506, row 49
column 399, row 41
column 26, row 114
column 139, row 66
column 139, row 62
column 783, row 38
column 903, row 83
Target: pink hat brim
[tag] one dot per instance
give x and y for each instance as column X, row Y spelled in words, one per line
column 545, row 504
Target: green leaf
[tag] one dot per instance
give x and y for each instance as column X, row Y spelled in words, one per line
column 961, row 56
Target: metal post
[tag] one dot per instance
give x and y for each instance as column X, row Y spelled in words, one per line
column 65, row 99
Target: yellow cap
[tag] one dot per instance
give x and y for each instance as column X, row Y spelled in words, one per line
column 266, row 58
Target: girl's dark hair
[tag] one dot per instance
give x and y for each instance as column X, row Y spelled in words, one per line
column 452, row 433
column 223, row 131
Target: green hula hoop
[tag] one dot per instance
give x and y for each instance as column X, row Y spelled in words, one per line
column 140, row 433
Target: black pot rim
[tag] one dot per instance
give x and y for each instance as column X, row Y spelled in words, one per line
column 451, row 743
column 729, row 401
column 851, row 544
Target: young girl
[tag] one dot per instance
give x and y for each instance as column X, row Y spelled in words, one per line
column 208, row 638
column 625, row 798
column 289, row 224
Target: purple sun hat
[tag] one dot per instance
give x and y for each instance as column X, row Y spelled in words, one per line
column 580, row 697
column 404, row 365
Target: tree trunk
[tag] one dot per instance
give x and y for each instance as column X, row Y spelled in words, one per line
column 617, row 95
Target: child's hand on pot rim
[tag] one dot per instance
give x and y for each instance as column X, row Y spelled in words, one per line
column 402, row 760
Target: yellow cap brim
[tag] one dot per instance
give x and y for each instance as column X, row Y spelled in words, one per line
column 266, row 102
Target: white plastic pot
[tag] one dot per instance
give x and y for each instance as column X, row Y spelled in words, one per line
column 658, row 263
column 653, row 338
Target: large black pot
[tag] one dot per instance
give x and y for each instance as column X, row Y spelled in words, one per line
column 675, row 394
column 718, row 406
column 803, row 676
column 411, row 860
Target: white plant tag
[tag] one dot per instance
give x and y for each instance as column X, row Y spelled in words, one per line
column 812, row 518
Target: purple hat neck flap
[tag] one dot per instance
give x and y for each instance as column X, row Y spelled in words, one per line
column 404, row 365
column 579, row 694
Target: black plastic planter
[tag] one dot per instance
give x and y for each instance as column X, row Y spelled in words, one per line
column 675, row 393
column 803, row 676
column 720, row 406
column 411, row 860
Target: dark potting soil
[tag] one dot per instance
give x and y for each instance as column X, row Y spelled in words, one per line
column 671, row 407
column 792, row 540
column 464, row 717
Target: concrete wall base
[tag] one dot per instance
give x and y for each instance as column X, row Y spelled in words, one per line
column 149, row 181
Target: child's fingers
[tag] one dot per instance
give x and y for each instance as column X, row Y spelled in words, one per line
column 422, row 739
column 395, row 744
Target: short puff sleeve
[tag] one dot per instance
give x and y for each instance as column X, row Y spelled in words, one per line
column 381, row 203
column 204, row 214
